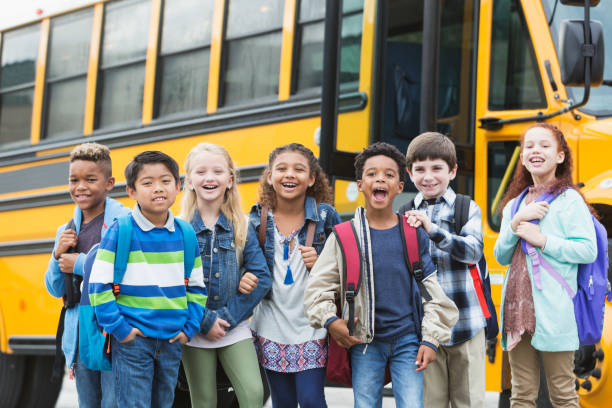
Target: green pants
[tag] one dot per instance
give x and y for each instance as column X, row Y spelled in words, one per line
column 240, row 364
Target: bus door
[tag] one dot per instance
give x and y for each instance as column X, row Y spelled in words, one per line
column 403, row 84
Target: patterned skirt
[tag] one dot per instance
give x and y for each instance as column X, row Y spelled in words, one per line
column 290, row 358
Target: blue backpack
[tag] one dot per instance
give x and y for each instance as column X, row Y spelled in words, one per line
column 593, row 286
column 94, row 343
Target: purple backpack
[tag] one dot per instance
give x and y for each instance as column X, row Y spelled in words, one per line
column 593, row 284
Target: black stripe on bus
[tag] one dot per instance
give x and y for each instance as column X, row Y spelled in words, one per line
column 53, row 177
column 166, row 129
column 32, row 345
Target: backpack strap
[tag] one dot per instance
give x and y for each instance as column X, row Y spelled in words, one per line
column 410, row 244
column 310, row 233
column 124, row 241
column 263, row 225
column 353, row 266
column 462, row 211
column 517, row 202
column 189, row 246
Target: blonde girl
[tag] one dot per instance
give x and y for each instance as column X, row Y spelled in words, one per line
column 227, row 243
column 294, row 193
column 539, row 319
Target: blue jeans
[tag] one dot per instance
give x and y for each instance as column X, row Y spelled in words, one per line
column 145, row 371
column 368, row 362
column 304, row 387
column 96, row 389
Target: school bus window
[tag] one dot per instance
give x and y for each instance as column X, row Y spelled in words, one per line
column 184, row 56
column 500, row 168
column 515, row 81
column 67, row 74
column 19, row 52
column 310, row 55
column 252, row 50
column 124, row 46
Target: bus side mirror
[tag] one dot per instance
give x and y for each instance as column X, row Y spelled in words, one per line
column 573, row 52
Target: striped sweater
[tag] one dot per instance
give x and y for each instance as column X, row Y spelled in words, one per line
column 153, row 296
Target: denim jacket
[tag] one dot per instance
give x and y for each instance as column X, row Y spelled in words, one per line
column 324, row 215
column 54, row 278
column 222, row 272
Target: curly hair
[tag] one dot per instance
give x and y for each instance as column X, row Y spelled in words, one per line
column 380, row 149
column 563, row 173
column 321, row 190
column 96, row 153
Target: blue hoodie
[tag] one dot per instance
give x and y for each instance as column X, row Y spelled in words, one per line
column 54, row 278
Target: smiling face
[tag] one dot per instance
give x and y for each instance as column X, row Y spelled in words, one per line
column 155, row 189
column 88, row 186
column 431, row 177
column 541, row 154
column 210, row 177
column 380, row 182
column 290, row 176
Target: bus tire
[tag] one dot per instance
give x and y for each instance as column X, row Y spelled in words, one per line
column 12, row 369
column 38, row 390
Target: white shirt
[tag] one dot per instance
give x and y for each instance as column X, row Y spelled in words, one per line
column 282, row 319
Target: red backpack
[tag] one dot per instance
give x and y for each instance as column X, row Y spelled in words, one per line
column 338, row 360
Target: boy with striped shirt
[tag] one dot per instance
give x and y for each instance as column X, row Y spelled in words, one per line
column 155, row 312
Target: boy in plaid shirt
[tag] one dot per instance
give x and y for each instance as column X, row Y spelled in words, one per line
column 457, row 377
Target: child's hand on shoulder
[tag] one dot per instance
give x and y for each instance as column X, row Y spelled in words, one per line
column 338, row 329
column 181, row 337
column 135, row 332
column 417, row 219
column 532, row 211
column 218, row 330
column 66, row 262
column 248, row 283
column 66, row 240
column 309, row 255
column 425, row 356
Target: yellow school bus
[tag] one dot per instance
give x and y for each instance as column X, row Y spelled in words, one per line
column 254, row 74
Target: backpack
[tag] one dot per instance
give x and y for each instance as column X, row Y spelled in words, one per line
column 593, row 285
column 480, row 276
column 479, row 272
column 94, row 343
column 338, row 368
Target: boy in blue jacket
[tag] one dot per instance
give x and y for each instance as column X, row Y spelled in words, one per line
column 89, row 181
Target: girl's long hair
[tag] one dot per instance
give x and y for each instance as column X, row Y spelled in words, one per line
column 320, row 190
column 231, row 203
column 563, row 173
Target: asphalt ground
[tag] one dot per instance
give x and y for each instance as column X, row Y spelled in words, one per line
column 336, row 397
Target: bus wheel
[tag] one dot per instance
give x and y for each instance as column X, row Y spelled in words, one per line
column 12, row 369
column 38, row 390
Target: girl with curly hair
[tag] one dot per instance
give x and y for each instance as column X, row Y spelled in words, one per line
column 294, row 197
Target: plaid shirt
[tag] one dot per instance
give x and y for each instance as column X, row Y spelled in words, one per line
column 451, row 254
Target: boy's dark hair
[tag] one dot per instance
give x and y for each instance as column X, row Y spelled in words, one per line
column 149, row 157
column 380, row 149
column 96, row 153
column 431, row 145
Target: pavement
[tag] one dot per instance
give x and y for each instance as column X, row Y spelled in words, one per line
column 336, row 397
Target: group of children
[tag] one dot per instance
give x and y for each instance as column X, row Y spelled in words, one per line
column 278, row 267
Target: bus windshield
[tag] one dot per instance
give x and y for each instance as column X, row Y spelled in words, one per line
column 599, row 101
